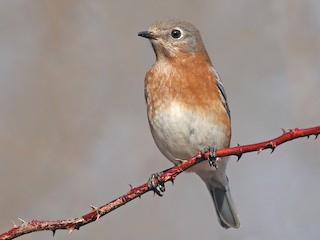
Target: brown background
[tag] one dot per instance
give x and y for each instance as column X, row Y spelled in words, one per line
column 73, row 127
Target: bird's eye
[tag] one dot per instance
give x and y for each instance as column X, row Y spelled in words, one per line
column 175, row 33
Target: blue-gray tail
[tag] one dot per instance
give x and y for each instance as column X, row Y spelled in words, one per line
column 225, row 207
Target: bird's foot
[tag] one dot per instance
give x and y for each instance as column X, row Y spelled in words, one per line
column 155, row 184
column 212, row 158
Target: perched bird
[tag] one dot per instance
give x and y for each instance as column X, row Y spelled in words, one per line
column 187, row 107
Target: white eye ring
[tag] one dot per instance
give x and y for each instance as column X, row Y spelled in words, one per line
column 176, row 33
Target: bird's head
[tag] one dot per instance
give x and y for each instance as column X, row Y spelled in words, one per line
column 171, row 38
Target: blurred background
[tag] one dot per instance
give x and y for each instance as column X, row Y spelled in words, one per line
column 74, row 131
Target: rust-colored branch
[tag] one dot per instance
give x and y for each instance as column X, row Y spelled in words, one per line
column 96, row 213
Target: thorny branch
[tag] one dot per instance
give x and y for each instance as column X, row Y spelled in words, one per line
column 170, row 175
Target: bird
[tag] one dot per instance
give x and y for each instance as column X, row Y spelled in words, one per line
column 187, row 107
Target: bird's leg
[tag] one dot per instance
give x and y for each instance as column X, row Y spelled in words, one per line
column 155, row 184
column 212, row 155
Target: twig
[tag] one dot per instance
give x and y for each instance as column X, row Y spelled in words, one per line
column 170, row 175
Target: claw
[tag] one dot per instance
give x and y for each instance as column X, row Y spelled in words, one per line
column 155, row 184
column 212, row 156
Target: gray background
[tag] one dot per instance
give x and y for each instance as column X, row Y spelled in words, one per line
column 74, row 132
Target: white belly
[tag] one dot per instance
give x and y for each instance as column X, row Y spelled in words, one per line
column 180, row 132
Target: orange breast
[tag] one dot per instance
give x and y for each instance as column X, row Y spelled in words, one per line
column 189, row 82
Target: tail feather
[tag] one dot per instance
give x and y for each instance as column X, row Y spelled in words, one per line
column 225, row 207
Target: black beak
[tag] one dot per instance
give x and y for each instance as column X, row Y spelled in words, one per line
column 145, row 34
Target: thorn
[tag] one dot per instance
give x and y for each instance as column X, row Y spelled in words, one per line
column 199, row 155
column 308, row 136
column 283, row 131
column 239, row 156
column 260, row 150
column 272, row 150
column 131, row 187
column 70, row 231
column 272, row 146
column 23, row 221
column 135, row 192
column 316, row 136
column 172, row 178
column 98, row 215
column 53, row 232
column 93, row 208
column 14, row 224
